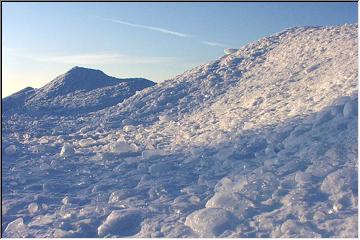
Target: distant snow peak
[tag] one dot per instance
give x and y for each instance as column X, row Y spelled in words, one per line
column 78, row 90
column 86, row 78
column 78, row 69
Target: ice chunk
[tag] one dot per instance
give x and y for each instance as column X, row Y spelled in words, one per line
column 120, row 195
column 66, row 200
column 210, row 222
column 37, row 148
column 195, row 189
column 44, row 206
column 86, row 142
column 121, row 223
column 42, row 220
column 10, row 150
column 43, row 140
column 16, row 229
column 99, row 157
column 65, row 212
column 129, row 128
column 121, row 147
column 67, row 150
column 33, row 208
column 194, row 199
column 230, row 201
column 223, row 184
column 240, row 183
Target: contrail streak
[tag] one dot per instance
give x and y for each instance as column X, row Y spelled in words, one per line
column 157, row 29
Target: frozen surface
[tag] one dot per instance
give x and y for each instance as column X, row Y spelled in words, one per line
column 259, row 143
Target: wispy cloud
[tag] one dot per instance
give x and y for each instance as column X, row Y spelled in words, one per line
column 103, row 58
column 163, row 30
column 157, row 29
column 93, row 58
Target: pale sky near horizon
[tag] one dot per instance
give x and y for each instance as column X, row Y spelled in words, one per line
column 153, row 40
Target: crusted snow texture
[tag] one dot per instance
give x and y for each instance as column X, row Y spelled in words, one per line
column 259, row 143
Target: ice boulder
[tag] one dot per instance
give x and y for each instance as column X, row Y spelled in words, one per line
column 67, row 150
column 223, row 184
column 210, row 222
column 10, row 150
column 119, row 195
column 16, row 229
column 230, row 201
column 42, row 220
column 66, row 200
column 129, row 128
column 33, row 208
column 120, row 223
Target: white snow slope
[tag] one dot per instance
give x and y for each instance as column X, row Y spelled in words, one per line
column 259, row 143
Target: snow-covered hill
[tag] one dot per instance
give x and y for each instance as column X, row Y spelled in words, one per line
column 80, row 90
column 259, row 143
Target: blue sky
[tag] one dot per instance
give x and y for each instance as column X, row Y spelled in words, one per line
column 152, row 40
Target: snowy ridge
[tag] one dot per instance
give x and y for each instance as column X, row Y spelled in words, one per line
column 259, row 143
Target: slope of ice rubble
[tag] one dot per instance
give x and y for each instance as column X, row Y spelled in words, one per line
column 259, row 143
